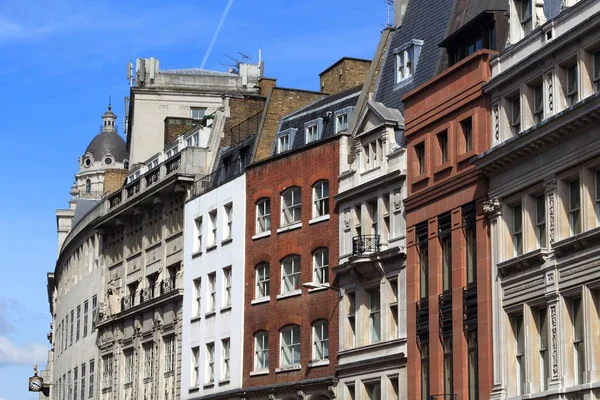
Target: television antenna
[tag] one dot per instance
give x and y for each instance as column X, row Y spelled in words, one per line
column 390, row 5
column 245, row 57
column 234, row 59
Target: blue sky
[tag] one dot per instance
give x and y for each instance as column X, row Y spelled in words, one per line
column 59, row 62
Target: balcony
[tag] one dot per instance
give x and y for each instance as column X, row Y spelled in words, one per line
column 470, row 307
column 366, row 244
column 422, row 308
column 155, row 291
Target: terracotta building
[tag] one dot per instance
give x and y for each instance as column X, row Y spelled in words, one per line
column 291, row 313
column 447, row 123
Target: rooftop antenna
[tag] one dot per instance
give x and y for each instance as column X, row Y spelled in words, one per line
column 390, row 5
column 109, row 103
column 234, row 59
column 245, row 57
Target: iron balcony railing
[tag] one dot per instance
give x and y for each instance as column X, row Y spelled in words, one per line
column 157, row 290
column 422, row 307
column 366, row 244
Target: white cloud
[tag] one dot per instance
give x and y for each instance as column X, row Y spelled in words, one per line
column 29, row 354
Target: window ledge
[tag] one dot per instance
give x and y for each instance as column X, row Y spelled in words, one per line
column 289, row 227
column 211, row 248
column 261, row 235
column 210, row 314
column 259, row 372
column 226, row 241
column 420, row 178
column 224, row 381
column 293, row 293
column 288, row 368
column 196, row 318
column 318, row 363
column 196, row 254
column 576, row 242
column 319, row 219
column 209, row 385
column 466, row 156
column 194, row 389
column 438, row 169
column 261, row 300
column 226, row 308
column 368, row 171
column 524, row 261
column 324, row 286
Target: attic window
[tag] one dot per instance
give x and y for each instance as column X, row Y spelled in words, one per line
column 313, row 130
column 108, row 161
column 342, row 119
column 284, row 140
column 407, row 57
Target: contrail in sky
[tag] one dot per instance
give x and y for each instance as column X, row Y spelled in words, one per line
column 214, row 38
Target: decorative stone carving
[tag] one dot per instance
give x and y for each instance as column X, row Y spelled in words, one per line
column 301, row 395
column 528, row 285
column 347, row 219
column 550, row 183
column 397, row 201
column 551, row 218
column 496, row 115
column 553, row 340
column 540, row 17
column 491, row 206
column 563, row 4
column 581, row 268
column 549, row 85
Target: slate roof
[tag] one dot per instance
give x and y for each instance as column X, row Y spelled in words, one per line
column 425, row 20
column 82, row 207
column 108, row 142
column 319, row 109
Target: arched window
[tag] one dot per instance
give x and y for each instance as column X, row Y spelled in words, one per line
column 261, row 350
column 88, row 186
column 321, row 266
column 263, row 215
column 290, row 206
column 320, row 347
column 290, row 274
column 320, row 199
column 290, row 346
column 262, row 281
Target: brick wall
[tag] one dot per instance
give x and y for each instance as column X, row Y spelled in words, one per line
column 114, row 179
column 240, row 110
column 281, row 102
column 269, row 179
column 344, row 74
column 265, row 85
column 175, row 126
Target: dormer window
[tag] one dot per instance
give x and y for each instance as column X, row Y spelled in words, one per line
column 342, row 119
column 313, row 130
column 284, row 141
column 407, row 57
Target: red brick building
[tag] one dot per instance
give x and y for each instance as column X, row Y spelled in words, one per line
column 447, row 122
column 291, row 313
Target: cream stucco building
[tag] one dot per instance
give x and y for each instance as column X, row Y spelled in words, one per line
column 544, row 186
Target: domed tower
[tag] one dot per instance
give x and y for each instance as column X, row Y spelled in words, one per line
column 105, row 154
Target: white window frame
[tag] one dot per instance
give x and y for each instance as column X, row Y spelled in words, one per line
column 342, row 122
column 212, row 292
column 262, row 281
column 290, row 280
column 170, row 353
column 290, row 346
column 196, row 366
column 148, row 348
column 574, row 213
column 261, row 351
column 228, row 210
column 227, row 286
column 198, row 241
column 320, row 330
column 321, row 199
column 128, row 355
column 107, row 371
column 404, row 64
column 196, row 111
column 197, row 307
column 213, row 217
column 284, row 143
column 225, row 359
column 210, row 363
column 263, row 215
column 312, row 133
column 321, row 266
column 374, row 316
column 291, row 209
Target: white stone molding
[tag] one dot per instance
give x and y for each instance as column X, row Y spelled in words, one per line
column 550, row 187
column 540, row 17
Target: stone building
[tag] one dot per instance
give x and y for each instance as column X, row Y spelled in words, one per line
column 448, row 290
column 74, row 287
column 544, row 177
